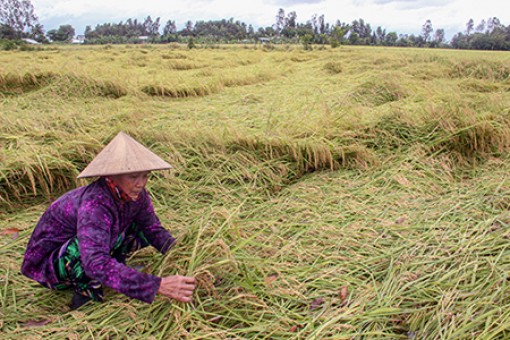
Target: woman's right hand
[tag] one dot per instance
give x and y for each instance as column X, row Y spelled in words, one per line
column 177, row 287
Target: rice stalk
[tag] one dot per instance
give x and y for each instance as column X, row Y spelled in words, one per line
column 378, row 91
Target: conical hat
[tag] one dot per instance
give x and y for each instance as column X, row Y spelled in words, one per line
column 121, row 156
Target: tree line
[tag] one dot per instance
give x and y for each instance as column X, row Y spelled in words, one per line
column 18, row 20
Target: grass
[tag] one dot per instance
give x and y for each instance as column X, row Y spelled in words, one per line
column 336, row 193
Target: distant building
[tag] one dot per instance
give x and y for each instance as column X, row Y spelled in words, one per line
column 80, row 39
column 265, row 40
column 31, row 41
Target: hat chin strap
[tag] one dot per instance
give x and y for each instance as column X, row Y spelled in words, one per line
column 117, row 192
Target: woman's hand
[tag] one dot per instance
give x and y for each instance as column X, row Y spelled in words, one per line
column 177, row 287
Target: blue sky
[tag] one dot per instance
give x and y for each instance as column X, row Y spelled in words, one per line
column 401, row 16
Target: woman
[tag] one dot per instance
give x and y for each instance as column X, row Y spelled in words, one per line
column 82, row 240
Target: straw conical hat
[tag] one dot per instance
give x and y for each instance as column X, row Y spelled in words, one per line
column 121, row 156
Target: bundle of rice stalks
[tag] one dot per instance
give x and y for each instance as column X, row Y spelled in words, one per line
column 392, row 131
column 79, row 86
column 333, row 67
column 480, row 69
column 302, row 57
column 174, row 56
column 13, row 84
column 481, row 86
column 182, row 90
column 247, row 79
column 457, row 132
column 42, row 165
column 304, row 155
column 468, row 137
column 378, row 91
column 61, row 84
column 40, row 174
column 184, row 65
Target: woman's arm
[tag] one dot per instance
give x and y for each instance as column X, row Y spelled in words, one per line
column 94, row 225
column 149, row 223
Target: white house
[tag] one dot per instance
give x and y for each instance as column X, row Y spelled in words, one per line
column 80, row 39
column 31, row 41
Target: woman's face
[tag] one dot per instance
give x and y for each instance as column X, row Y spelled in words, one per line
column 132, row 184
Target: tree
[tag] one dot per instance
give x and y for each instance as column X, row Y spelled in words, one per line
column 481, row 26
column 7, row 32
column 321, row 24
column 439, row 36
column 492, row 23
column 280, row 21
column 314, row 23
column 380, row 34
column 290, row 21
column 218, row 30
column 338, row 33
column 470, row 26
column 147, row 25
column 306, row 40
column 460, row 41
column 250, row 31
column 353, row 38
column 170, row 28
column 360, row 33
column 38, row 33
column 188, row 28
column 416, row 41
column 65, row 33
column 427, row 30
column 151, row 27
column 391, row 39
column 19, row 16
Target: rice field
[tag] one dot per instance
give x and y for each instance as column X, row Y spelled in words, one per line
column 348, row 193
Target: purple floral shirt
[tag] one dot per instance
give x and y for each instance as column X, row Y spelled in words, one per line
column 93, row 215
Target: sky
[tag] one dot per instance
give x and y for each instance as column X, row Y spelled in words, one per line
column 400, row 16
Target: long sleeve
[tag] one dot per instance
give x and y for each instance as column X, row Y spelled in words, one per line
column 95, row 221
column 149, row 223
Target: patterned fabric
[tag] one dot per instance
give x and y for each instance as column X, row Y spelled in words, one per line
column 69, row 269
column 93, row 216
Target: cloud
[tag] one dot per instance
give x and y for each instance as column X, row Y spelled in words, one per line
column 296, row 2
column 382, row 2
column 411, row 4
